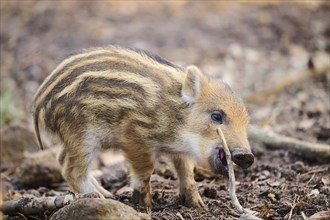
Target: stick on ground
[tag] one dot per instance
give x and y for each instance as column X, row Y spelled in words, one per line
column 231, row 181
column 31, row 206
column 274, row 141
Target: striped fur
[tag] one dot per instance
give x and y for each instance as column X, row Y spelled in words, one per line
column 109, row 80
column 132, row 99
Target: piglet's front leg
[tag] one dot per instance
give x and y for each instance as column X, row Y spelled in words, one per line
column 188, row 195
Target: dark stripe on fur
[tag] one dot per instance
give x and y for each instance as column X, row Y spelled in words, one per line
column 55, row 75
column 155, row 57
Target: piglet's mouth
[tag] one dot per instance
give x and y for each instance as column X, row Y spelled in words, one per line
column 222, row 157
column 220, row 161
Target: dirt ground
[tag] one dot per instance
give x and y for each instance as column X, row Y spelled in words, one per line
column 252, row 46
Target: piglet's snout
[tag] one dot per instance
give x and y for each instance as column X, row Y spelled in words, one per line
column 242, row 158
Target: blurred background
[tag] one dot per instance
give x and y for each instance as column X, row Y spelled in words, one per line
column 254, row 46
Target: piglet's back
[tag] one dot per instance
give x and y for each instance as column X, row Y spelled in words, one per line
column 112, row 87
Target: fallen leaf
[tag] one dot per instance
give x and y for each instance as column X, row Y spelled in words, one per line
column 266, row 212
column 313, row 193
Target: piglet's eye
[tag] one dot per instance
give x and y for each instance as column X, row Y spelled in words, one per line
column 217, row 117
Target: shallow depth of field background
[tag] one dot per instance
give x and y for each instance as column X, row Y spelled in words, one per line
column 252, row 46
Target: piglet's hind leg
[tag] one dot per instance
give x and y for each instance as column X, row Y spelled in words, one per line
column 75, row 162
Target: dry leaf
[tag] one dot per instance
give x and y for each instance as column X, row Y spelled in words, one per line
column 266, row 212
column 314, row 193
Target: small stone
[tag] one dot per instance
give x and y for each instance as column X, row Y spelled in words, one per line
column 306, row 124
column 314, row 193
column 272, row 197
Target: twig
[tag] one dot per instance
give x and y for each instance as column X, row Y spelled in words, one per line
column 291, row 210
column 310, row 180
column 303, row 215
column 179, row 216
column 292, row 207
column 231, row 181
column 23, row 216
column 274, row 140
column 149, row 211
column 232, row 189
column 319, row 170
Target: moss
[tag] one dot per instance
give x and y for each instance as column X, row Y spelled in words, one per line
column 8, row 109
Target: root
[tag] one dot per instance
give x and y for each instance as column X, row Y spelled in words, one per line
column 273, row 140
column 245, row 214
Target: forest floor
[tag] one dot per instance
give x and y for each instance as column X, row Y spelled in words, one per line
column 251, row 46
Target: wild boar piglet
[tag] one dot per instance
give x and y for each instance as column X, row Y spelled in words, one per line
column 113, row 97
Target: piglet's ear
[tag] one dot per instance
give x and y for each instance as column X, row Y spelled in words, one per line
column 192, row 84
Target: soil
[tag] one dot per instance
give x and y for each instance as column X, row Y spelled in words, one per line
column 252, row 46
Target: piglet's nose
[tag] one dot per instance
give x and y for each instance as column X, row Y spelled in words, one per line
column 242, row 158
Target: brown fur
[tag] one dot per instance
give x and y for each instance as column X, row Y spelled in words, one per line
column 114, row 97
